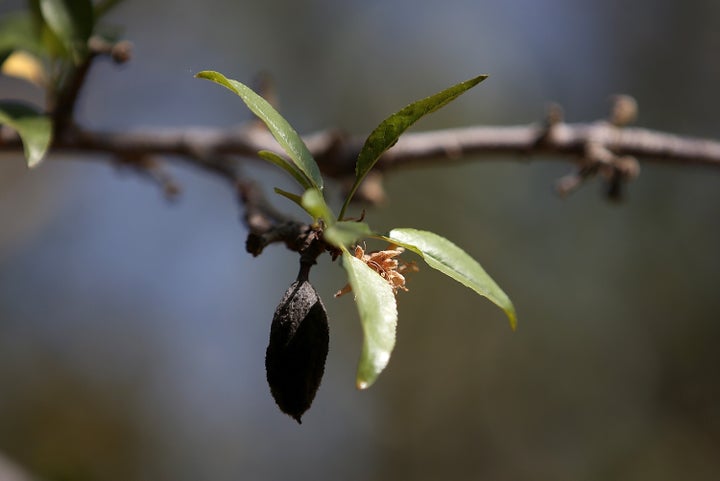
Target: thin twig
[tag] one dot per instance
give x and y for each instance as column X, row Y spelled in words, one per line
column 336, row 154
column 62, row 103
column 605, row 148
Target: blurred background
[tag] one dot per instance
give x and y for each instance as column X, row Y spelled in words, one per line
column 133, row 330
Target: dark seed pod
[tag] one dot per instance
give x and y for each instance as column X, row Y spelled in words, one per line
column 295, row 357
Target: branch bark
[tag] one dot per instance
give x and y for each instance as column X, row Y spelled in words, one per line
column 607, row 148
column 336, row 152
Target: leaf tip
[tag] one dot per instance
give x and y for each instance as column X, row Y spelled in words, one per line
column 476, row 80
column 512, row 317
column 34, row 161
column 366, row 379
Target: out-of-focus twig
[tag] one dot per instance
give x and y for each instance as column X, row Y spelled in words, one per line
column 605, row 148
column 10, row 471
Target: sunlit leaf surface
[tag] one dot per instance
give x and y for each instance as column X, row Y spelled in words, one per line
column 443, row 255
column 378, row 315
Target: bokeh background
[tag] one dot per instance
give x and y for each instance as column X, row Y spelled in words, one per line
column 133, row 330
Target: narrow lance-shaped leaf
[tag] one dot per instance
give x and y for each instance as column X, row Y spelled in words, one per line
column 443, row 255
column 18, row 31
column 310, row 202
column 275, row 159
column 314, row 203
column 283, row 132
column 52, row 45
column 34, row 128
column 290, row 196
column 378, row 315
column 72, row 21
column 344, row 233
column 387, row 133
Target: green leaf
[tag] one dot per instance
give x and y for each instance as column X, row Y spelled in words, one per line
column 387, row 133
column 311, row 202
column 289, row 195
column 345, row 233
column 283, row 132
column 34, row 128
column 378, row 315
column 72, row 21
column 314, row 203
column 443, row 255
column 276, row 159
column 52, row 45
column 19, row 31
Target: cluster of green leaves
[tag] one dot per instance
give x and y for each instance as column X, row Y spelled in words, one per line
column 373, row 294
column 43, row 44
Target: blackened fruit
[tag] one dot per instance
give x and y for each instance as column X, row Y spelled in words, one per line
column 295, row 357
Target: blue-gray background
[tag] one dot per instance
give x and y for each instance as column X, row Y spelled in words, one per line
column 133, row 330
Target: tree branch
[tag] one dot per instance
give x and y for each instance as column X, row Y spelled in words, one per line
column 605, row 148
column 336, row 152
column 563, row 140
column 63, row 97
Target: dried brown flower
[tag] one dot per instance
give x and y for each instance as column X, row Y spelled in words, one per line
column 385, row 264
